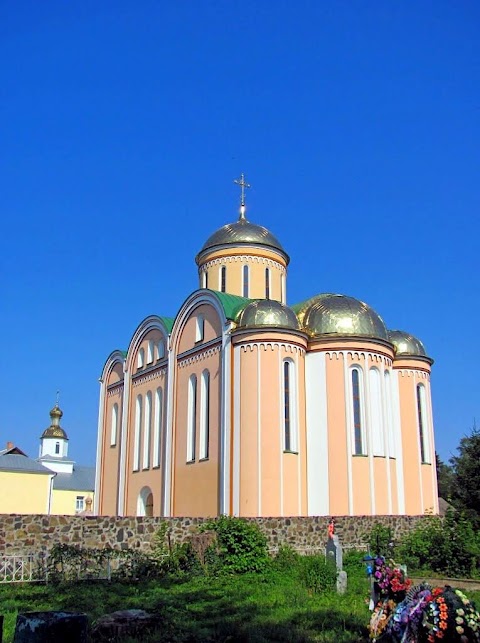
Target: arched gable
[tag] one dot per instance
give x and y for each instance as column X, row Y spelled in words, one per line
column 200, row 319
column 112, row 371
column 147, row 338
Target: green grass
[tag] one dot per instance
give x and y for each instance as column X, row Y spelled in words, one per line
column 253, row 607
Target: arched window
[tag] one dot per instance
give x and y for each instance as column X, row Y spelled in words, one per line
column 290, row 433
column 57, row 448
column 223, row 279
column 136, row 435
column 204, row 415
column 282, row 287
column 147, row 430
column 158, row 428
column 141, row 358
column 145, row 502
column 114, row 426
column 423, row 424
column 267, row 283
column 191, row 418
column 357, row 408
column 150, row 351
column 376, row 413
column 246, row 284
column 160, row 350
column 205, row 279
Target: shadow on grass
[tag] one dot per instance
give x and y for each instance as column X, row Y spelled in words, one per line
column 250, row 609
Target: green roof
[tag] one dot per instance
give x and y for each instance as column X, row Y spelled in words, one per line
column 232, row 304
column 168, row 321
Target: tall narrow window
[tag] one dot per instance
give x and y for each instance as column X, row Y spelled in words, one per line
column 282, row 286
column 246, row 285
column 141, row 358
column 204, row 415
column 286, row 405
column 157, row 428
column 57, row 448
column 147, row 430
column 290, row 432
column 160, row 350
column 267, row 283
column 150, row 351
column 392, row 451
column 199, row 328
column 376, row 413
column 136, row 435
column 223, row 278
column 114, row 427
column 205, row 279
column 357, row 413
column 192, row 418
column 422, row 424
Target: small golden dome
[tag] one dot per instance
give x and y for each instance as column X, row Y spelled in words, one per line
column 56, row 412
column 54, row 432
column 268, row 312
column 341, row 315
column 242, row 233
column 406, row 344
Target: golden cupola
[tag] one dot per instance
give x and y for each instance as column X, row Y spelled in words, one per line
column 243, row 258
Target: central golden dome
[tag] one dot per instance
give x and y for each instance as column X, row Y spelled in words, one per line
column 341, row 315
column 240, row 233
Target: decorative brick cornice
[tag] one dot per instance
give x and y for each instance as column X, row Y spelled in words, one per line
column 148, row 377
column 242, row 259
column 198, row 357
column 115, row 389
column 289, row 348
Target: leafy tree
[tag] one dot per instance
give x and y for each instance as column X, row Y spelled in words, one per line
column 466, row 467
column 445, row 479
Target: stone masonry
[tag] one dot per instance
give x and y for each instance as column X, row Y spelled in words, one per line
column 26, row 534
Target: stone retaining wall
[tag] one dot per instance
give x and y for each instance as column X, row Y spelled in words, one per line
column 22, row 534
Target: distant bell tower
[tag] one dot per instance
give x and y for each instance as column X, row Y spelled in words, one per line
column 54, row 440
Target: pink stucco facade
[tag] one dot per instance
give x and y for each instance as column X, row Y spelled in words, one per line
column 242, row 406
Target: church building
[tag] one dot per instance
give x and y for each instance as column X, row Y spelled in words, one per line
column 243, row 405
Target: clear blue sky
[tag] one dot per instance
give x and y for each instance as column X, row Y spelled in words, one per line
column 123, row 124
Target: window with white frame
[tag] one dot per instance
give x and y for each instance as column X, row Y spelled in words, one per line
column 357, row 397
column 191, row 418
column 80, row 503
column 376, row 412
column 199, row 328
column 136, row 434
column 205, row 279
column 204, row 415
column 423, row 424
column 290, row 431
column 114, row 425
column 157, row 428
column 246, row 281
column 160, row 350
column 57, row 448
column 147, row 430
column 150, row 351
column 390, row 433
column 141, row 358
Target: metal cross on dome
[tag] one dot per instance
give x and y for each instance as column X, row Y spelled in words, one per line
column 243, row 184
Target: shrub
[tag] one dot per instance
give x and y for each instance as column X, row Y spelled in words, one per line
column 241, row 546
column 449, row 545
column 380, row 540
column 286, row 558
column 319, row 574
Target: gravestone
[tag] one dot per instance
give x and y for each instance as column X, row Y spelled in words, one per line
column 333, row 551
column 51, row 627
